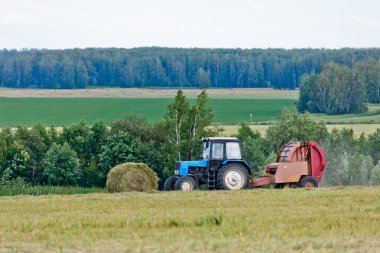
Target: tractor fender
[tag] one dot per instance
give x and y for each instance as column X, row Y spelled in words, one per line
column 242, row 162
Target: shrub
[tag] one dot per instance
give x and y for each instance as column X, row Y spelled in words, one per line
column 61, row 166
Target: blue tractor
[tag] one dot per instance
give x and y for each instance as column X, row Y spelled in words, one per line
column 222, row 167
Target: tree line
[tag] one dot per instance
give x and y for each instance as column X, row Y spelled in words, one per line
column 169, row 67
column 82, row 155
column 338, row 89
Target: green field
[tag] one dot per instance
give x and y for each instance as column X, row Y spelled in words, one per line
column 230, row 110
column 266, row 220
column 65, row 111
column 370, row 117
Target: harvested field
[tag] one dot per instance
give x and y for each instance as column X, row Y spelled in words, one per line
column 266, row 220
column 357, row 128
column 147, row 93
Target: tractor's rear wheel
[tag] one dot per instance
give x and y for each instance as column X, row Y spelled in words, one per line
column 186, row 183
column 308, row 182
column 169, row 184
column 232, row 177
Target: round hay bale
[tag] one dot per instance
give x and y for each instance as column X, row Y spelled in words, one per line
column 129, row 177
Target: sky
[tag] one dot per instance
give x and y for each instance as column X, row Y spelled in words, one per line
column 59, row 24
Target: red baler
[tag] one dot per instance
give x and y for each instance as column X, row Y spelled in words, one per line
column 299, row 164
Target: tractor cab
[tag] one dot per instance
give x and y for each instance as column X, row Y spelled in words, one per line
column 217, row 149
column 221, row 167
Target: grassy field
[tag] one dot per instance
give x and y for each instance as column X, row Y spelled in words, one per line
column 229, row 112
column 47, row 190
column 65, row 111
column 317, row 220
column 370, row 117
column 232, row 106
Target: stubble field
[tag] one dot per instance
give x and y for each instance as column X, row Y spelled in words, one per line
column 266, row 220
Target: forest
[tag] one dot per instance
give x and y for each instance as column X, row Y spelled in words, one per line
column 338, row 89
column 170, row 67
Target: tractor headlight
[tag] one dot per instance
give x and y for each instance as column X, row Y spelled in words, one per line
column 177, row 167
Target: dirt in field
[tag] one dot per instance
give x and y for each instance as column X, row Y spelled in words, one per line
column 140, row 93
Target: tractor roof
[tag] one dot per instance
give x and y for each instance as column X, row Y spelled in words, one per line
column 220, row 139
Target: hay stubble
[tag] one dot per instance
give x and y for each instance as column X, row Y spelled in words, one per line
column 321, row 220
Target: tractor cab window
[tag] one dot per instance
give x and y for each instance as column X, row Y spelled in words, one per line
column 206, row 151
column 217, row 151
column 233, row 151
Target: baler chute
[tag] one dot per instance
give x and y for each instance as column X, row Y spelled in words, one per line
column 299, row 164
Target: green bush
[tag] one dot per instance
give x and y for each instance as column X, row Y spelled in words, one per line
column 61, row 166
column 375, row 175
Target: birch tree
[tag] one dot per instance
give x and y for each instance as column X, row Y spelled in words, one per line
column 175, row 122
column 336, row 90
column 200, row 116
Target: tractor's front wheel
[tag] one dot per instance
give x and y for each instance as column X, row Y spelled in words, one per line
column 169, row 184
column 232, row 177
column 186, row 183
column 308, row 182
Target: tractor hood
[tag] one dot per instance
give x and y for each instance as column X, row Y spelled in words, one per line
column 182, row 167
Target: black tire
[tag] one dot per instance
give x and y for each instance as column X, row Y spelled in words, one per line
column 186, row 183
column 223, row 172
column 308, row 182
column 169, row 184
column 279, row 186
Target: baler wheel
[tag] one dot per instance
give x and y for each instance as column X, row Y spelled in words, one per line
column 232, row 177
column 169, row 184
column 186, row 183
column 308, row 182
